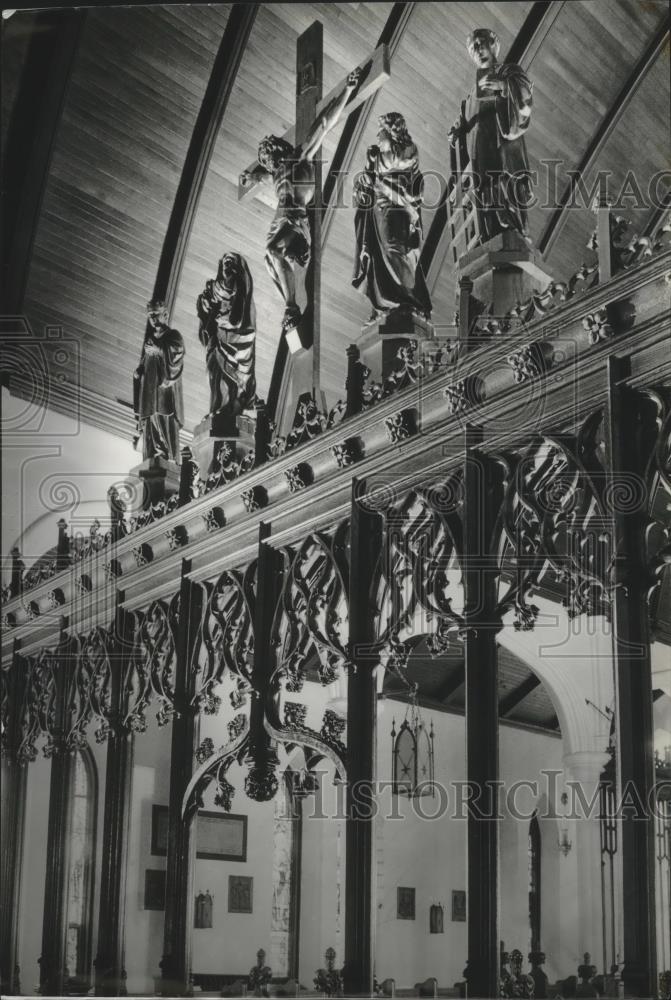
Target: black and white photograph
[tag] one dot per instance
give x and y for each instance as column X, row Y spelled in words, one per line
column 335, row 353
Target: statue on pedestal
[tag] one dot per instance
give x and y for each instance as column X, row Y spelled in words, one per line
column 487, row 140
column 228, row 332
column 388, row 223
column 289, row 243
column 157, row 387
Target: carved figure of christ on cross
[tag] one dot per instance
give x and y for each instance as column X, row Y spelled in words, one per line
column 294, row 240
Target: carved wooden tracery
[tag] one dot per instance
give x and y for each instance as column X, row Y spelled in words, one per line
column 656, row 475
column 38, row 713
column 555, row 526
column 227, row 640
column 310, row 633
column 91, row 690
column 420, row 572
column 154, row 674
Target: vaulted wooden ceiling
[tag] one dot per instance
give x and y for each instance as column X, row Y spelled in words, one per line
column 133, row 80
column 441, row 685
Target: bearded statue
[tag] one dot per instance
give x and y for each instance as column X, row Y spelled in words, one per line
column 228, row 332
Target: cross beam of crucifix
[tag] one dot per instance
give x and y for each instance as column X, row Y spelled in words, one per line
column 374, row 73
column 297, row 369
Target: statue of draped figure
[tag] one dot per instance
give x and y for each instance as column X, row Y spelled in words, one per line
column 228, row 332
column 388, row 223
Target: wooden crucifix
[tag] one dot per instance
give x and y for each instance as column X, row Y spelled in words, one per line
column 294, row 240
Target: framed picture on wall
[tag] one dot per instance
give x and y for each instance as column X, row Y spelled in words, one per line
column 160, row 816
column 459, row 905
column 219, row 836
column 154, row 889
column 240, row 893
column 405, row 903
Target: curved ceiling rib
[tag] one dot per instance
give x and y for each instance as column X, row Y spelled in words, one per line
column 604, row 131
column 201, row 147
column 356, row 123
column 524, row 49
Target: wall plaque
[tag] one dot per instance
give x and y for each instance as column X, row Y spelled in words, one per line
column 405, row 903
column 154, row 889
column 240, row 890
column 220, row 836
column 459, row 905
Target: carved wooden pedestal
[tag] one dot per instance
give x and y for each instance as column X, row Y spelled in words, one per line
column 158, row 480
column 383, row 338
column 210, row 434
column 500, row 273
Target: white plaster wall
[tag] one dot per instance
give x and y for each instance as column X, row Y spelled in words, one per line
column 33, row 873
column 144, row 928
column 62, row 470
column 322, row 913
column 231, row 944
column 430, row 855
column 427, row 854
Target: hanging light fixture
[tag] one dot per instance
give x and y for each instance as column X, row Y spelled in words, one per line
column 413, row 753
column 564, row 843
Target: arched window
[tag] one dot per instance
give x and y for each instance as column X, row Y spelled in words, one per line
column 84, row 804
column 535, row 883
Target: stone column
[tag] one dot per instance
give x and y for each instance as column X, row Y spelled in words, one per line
column 12, row 817
column 109, row 964
column 583, row 770
column 365, row 549
column 481, row 500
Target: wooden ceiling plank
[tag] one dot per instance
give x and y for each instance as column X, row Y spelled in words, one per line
column 451, row 684
column 606, row 128
column 30, row 142
column 517, row 695
column 201, row 148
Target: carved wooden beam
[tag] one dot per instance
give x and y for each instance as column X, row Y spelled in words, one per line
column 201, row 148
column 14, row 778
column 603, row 133
column 30, row 142
column 365, row 546
column 533, row 32
column 517, row 695
column 482, row 497
column 629, row 442
column 110, row 974
column 356, row 124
